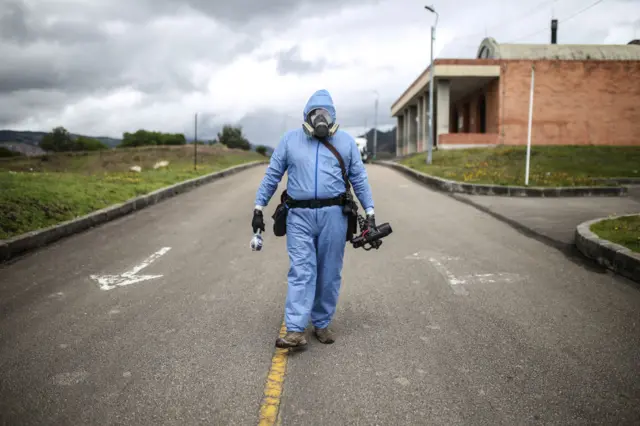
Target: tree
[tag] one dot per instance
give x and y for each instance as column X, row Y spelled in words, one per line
column 146, row 138
column 232, row 137
column 262, row 150
column 58, row 140
column 83, row 143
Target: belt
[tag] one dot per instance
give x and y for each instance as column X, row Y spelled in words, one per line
column 316, row 204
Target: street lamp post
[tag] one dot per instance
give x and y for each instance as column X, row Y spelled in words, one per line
column 195, row 144
column 433, row 37
column 375, row 126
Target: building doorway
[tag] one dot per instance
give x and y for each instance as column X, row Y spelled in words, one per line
column 466, row 117
column 482, row 113
column 453, row 125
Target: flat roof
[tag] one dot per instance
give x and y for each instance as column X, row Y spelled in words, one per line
column 490, row 48
column 491, row 54
column 449, row 69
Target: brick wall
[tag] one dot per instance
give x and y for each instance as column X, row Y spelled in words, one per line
column 492, row 95
column 575, row 102
column 469, row 139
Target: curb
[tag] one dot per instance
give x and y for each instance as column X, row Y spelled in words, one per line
column 501, row 190
column 620, row 180
column 39, row 238
column 611, row 255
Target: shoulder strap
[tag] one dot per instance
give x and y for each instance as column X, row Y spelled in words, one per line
column 335, row 152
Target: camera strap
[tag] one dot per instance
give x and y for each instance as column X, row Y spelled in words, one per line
column 335, row 152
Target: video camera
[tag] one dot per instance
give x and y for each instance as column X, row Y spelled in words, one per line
column 372, row 237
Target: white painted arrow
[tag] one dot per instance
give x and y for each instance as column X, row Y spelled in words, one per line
column 108, row 282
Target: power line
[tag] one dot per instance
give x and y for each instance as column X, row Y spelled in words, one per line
column 561, row 20
column 510, row 22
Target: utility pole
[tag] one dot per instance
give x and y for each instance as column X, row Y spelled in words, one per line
column 195, row 144
column 375, row 127
column 431, row 88
column 366, row 130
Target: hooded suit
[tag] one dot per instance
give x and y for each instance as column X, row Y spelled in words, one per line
column 315, row 237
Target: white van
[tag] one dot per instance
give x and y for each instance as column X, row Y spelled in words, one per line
column 362, row 147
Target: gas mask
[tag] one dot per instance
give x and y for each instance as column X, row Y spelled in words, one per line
column 319, row 124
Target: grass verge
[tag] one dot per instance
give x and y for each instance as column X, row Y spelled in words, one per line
column 624, row 231
column 39, row 192
column 551, row 166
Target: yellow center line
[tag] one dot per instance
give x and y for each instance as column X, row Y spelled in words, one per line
column 270, row 407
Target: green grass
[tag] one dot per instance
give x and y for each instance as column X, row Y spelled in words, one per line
column 624, row 231
column 35, row 194
column 550, row 165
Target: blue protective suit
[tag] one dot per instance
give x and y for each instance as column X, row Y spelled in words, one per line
column 315, row 237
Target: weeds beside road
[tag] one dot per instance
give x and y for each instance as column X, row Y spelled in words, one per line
column 550, row 166
column 36, row 192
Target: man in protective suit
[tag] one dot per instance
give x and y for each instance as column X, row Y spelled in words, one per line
column 316, row 233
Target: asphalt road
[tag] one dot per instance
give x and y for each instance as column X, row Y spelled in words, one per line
column 457, row 319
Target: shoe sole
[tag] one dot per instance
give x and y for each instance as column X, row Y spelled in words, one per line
column 283, row 344
column 323, row 341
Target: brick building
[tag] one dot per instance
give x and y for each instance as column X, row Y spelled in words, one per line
column 583, row 94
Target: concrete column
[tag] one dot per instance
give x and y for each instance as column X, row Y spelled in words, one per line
column 425, row 121
column 399, row 135
column 405, row 144
column 443, row 108
column 409, row 130
column 419, row 123
column 413, row 141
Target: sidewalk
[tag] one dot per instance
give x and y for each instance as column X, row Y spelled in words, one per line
column 553, row 219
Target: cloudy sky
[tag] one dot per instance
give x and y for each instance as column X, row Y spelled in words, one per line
column 103, row 67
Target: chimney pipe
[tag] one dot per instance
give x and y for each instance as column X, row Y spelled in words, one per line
column 554, row 31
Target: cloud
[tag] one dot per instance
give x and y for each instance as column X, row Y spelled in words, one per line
column 103, row 67
column 290, row 62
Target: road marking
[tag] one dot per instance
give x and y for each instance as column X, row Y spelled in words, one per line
column 455, row 283
column 71, row 378
column 492, row 278
column 402, row 381
column 458, row 283
column 420, row 255
column 109, row 282
column 270, row 407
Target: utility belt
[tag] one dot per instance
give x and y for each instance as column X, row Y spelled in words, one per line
column 316, row 204
column 349, row 209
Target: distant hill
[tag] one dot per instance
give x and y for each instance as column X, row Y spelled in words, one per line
column 386, row 141
column 22, row 141
column 22, row 148
column 34, row 138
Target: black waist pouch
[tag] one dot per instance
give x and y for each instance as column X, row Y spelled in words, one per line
column 352, row 226
column 350, row 209
column 280, row 216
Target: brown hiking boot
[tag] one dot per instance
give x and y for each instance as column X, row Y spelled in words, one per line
column 324, row 335
column 293, row 339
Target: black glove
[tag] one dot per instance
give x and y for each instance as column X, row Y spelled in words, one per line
column 258, row 221
column 371, row 222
